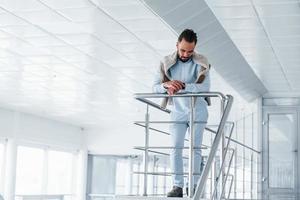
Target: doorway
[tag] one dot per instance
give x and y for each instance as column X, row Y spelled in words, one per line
column 280, row 153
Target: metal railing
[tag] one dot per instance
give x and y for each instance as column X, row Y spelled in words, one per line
column 226, row 103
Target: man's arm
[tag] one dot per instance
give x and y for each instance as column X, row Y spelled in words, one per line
column 157, row 86
column 199, row 87
column 171, row 87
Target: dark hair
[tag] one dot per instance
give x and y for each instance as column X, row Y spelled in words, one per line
column 189, row 35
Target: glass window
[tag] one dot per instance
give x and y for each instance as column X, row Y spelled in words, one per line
column 1, row 167
column 136, row 179
column 122, row 173
column 281, row 150
column 161, row 182
column 101, row 175
column 29, row 179
column 43, row 171
column 59, row 172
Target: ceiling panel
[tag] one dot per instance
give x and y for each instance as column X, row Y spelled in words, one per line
column 58, row 4
column 8, row 19
column 243, row 24
column 268, row 39
column 105, row 3
column 279, row 9
column 85, row 14
column 268, row 2
column 125, row 12
column 286, row 41
column 115, row 37
column 244, row 11
column 41, row 16
column 281, row 21
column 143, row 24
column 289, row 31
column 245, row 33
column 230, row 2
column 21, row 5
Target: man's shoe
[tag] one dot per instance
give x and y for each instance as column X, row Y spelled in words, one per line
column 175, row 192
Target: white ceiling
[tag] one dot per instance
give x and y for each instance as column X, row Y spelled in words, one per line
column 80, row 61
column 267, row 33
column 214, row 42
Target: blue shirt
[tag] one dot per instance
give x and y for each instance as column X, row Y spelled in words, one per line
column 186, row 72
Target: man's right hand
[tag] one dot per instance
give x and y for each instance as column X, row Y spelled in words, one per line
column 173, row 86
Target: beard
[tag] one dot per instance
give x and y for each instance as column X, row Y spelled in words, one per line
column 183, row 59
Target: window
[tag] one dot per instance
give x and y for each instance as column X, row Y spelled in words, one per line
column 122, row 176
column 136, row 178
column 44, row 171
column 59, row 172
column 2, row 151
column 29, row 170
column 101, row 175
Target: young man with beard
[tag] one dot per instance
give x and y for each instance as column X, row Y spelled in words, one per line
column 184, row 71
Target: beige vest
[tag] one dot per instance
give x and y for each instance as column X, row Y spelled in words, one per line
column 170, row 60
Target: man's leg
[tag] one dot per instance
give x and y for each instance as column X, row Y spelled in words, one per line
column 177, row 140
column 200, row 115
column 178, row 132
column 199, row 129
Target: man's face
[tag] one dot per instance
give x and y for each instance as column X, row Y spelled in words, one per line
column 185, row 49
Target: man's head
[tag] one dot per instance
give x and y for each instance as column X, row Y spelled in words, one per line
column 186, row 44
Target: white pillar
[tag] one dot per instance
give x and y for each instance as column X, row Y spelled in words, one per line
column 82, row 170
column 11, row 160
column 10, row 170
column 82, row 174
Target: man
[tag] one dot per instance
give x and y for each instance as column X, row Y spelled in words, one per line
column 184, row 71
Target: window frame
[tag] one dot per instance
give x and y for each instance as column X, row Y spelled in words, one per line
column 46, row 149
column 3, row 141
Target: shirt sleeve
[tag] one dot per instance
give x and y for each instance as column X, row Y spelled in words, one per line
column 199, row 87
column 157, row 86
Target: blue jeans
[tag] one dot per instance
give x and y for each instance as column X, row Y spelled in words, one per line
column 178, row 132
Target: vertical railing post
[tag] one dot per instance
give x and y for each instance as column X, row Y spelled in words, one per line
column 252, row 135
column 230, row 187
column 146, row 154
column 222, row 146
column 222, row 156
column 191, row 149
column 226, row 176
column 212, row 172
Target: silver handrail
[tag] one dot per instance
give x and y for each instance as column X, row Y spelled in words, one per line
column 226, row 176
column 218, row 137
column 145, row 159
column 226, row 102
column 223, row 163
column 231, row 183
column 141, row 96
column 220, row 171
column 139, row 123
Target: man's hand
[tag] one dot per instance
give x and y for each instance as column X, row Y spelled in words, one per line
column 173, row 86
column 171, row 91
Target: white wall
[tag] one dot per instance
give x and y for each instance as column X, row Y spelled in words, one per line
column 29, row 128
column 114, row 139
column 20, row 128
